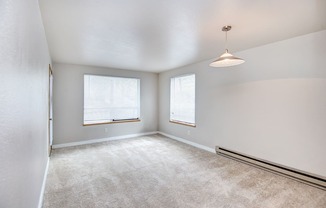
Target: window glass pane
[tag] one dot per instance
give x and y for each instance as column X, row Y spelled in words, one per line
column 110, row 98
column 182, row 99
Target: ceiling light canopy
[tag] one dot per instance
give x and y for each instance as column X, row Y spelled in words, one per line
column 226, row 59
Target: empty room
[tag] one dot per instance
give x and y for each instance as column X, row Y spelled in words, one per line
column 163, row 104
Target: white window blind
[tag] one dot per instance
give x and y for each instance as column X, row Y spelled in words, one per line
column 182, row 99
column 108, row 99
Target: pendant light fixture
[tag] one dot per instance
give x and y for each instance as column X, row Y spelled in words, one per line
column 226, row 59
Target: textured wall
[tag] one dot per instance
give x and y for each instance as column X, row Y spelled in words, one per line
column 69, row 103
column 24, row 60
column 272, row 107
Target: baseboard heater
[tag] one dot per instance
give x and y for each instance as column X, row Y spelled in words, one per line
column 298, row 175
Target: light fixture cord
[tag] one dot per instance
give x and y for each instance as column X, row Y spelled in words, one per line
column 226, row 41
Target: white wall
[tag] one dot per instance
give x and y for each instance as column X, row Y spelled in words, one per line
column 68, row 104
column 24, row 60
column 271, row 107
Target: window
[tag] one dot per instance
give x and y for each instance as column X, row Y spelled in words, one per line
column 111, row 99
column 182, row 100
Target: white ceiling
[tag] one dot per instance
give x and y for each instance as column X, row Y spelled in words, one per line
column 154, row 36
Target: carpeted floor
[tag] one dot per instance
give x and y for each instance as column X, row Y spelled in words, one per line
column 155, row 171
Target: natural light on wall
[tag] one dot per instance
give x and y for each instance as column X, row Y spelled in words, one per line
column 110, row 99
column 182, row 99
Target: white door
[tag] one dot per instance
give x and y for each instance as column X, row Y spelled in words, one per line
column 50, row 109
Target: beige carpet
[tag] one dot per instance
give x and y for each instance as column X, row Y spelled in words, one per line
column 155, row 171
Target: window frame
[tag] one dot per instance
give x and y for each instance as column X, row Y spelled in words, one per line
column 116, row 121
column 178, row 121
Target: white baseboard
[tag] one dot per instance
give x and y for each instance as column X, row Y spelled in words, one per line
column 56, row 146
column 188, row 142
column 40, row 201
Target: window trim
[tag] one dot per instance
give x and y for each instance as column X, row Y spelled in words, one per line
column 117, row 121
column 177, row 121
column 114, row 122
column 182, row 123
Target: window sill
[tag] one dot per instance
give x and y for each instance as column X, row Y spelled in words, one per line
column 183, row 123
column 113, row 122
